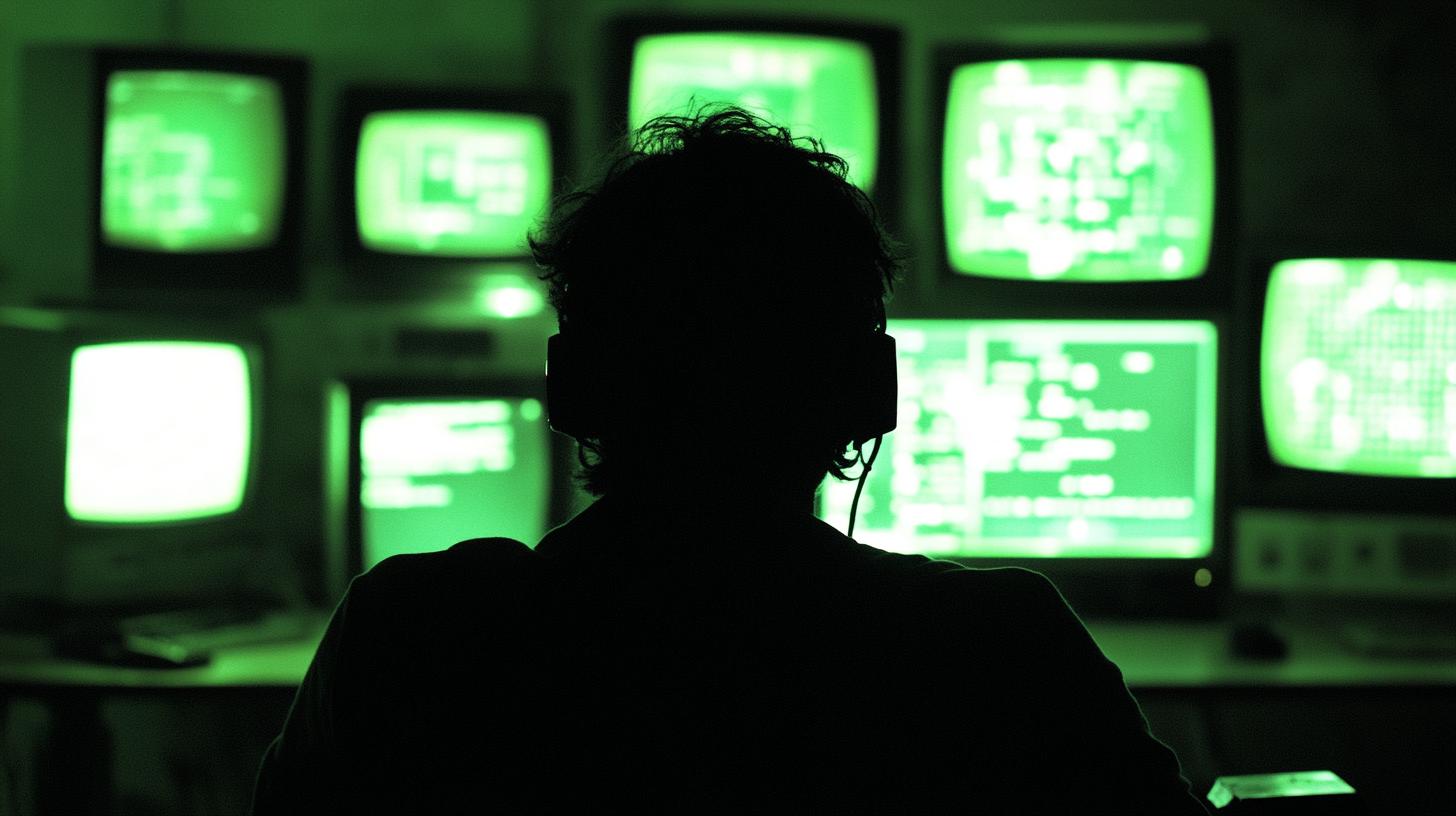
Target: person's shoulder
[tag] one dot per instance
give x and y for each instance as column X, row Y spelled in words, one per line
column 978, row 598
column 953, row 579
column 467, row 567
column 466, row 555
column 1010, row 582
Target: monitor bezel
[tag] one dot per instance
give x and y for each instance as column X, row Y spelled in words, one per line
column 271, row 269
column 399, row 270
column 884, row 42
column 1124, row 586
column 363, row 390
column 1212, row 289
column 1263, row 481
column 76, row 565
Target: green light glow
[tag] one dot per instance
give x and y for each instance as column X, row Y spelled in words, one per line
column 451, row 183
column 1078, row 169
column 815, row 86
column 1358, row 369
column 192, row 161
column 1274, row 786
column 1045, row 439
column 438, row 471
column 157, row 431
column 509, row 297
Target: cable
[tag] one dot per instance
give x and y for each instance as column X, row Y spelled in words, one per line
column 863, row 474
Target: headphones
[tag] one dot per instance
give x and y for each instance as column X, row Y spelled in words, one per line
column 574, row 389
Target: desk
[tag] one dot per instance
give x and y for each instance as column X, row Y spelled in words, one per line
column 274, row 665
column 1384, row 722
column 1188, row 655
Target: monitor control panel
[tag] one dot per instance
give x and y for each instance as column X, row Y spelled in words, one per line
column 1298, row 552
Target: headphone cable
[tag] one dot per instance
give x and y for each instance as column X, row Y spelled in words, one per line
column 863, row 474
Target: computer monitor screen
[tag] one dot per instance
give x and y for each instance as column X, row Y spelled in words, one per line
column 1358, row 366
column 454, row 183
column 442, row 470
column 192, row 161
column 1021, row 439
column 157, row 431
column 814, row 85
column 1078, row 170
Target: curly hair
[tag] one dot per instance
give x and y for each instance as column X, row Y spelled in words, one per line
column 716, row 267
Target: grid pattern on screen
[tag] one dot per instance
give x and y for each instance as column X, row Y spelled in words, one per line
column 1045, row 439
column 438, row 471
column 1078, row 169
column 1358, row 367
column 192, row 161
column 451, row 183
column 822, row 87
column 157, row 431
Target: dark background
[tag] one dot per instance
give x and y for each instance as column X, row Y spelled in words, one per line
column 1346, row 121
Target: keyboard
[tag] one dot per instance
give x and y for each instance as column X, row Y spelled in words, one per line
column 190, row 637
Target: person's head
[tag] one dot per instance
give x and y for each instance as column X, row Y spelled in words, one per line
column 714, row 277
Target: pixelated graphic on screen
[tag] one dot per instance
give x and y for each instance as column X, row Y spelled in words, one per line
column 192, row 161
column 1358, row 370
column 1045, row 439
column 1079, row 170
column 451, row 183
column 439, row 471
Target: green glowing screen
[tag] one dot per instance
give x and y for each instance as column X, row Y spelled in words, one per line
column 192, row 161
column 451, row 182
column 815, row 86
column 1078, row 169
column 1358, row 370
column 1045, row 439
column 438, row 471
column 157, row 431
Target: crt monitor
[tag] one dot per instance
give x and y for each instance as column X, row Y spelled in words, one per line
column 130, row 458
column 1349, row 482
column 200, row 169
column 1079, row 167
column 449, row 176
column 435, row 464
column 834, row 83
column 162, row 170
column 1045, row 441
column 1357, row 367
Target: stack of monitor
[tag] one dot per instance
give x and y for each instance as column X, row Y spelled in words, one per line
column 1083, row 390
column 132, row 459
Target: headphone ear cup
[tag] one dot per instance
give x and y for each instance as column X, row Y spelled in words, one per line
column 868, row 374
column 569, row 408
column 882, row 388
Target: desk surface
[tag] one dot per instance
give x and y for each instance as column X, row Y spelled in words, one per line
column 1151, row 654
column 1197, row 655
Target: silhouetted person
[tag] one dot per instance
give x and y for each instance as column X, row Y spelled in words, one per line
column 696, row 640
